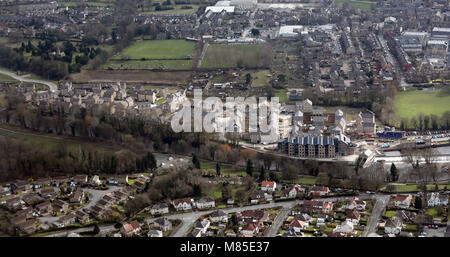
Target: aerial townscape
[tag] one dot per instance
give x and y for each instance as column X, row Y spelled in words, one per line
column 90, row 89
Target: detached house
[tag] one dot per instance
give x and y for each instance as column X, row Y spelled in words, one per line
column 292, row 191
column 257, row 196
column 131, row 229
column 66, row 220
column 44, row 208
column 298, row 225
column 48, row 193
column 218, row 216
column 319, row 191
column 203, row 225
column 163, row 224
column 60, row 206
column 355, row 203
column 437, row 199
column 403, row 201
column 182, row 204
column 268, row 186
column 353, row 215
column 161, row 208
column 205, row 203
column 82, row 217
column 393, row 225
column 250, row 229
column 77, row 196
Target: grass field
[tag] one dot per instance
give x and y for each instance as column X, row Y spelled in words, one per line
column 149, row 64
column 364, row 5
column 158, row 49
column 281, row 94
column 260, row 78
column 49, row 141
column 6, row 78
column 235, row 55
column 412, row 102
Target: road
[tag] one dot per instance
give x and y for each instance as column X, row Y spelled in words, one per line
column 273, row 230
column 382, row 201
column 53, row 87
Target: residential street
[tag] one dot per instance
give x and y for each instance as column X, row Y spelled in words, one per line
column 382, row 201
column 96, row 195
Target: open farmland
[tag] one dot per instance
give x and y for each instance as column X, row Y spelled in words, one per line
column 412, row 102
column 237, row 55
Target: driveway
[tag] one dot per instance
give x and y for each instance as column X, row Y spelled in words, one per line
column 53, row 87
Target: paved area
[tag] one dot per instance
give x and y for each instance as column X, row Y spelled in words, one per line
column 431, row 232
column 96, row 195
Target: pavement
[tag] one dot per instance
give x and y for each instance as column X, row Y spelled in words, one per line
column 53, row 87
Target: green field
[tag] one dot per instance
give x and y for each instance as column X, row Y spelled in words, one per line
column 158, row 49
column 281, row 94
column 260, row 78
column 236, row 55
column 6, row 78
column 364, row 5
column 149, row 64
column 412, row 102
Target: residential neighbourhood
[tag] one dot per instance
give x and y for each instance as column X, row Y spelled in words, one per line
column 231, row 119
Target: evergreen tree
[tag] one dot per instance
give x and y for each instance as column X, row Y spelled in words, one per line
column 195, row 161
column 262, row 175
column 249, row 168
column 394, row 173
column 418, row 203
column 217, row 169
column 197, row 190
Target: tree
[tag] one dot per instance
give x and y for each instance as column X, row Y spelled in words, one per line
column 195, row 161
column 218, row 169
column 394, row 174
column 418, row 203
column 197, row 190
column 262, row 174
column 96, row 229
column 255, row 32
column 248, row 78
column 234, row 220
column 249, row 169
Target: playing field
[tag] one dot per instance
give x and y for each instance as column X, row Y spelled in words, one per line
column 158, row 49
column 412, row 102
column 237, row 55
column 177, row 9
